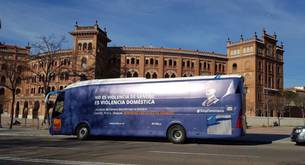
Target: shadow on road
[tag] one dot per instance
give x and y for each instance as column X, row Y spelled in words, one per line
column 249, row 139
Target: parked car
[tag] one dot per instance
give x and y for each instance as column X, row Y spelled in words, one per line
column 298, row 135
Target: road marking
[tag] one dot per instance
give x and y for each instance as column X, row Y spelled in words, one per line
column 56, row 161
column 205, row 154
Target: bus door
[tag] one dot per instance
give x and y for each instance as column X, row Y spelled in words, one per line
column 60, row 119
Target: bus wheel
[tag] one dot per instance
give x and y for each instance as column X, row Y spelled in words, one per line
column 176, row 134
column 82, row 132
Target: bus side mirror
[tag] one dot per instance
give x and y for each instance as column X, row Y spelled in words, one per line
column 245, row 90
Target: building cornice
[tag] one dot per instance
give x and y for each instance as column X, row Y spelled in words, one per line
column 166, row 51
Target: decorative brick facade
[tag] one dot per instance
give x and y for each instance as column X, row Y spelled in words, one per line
column 259, row 60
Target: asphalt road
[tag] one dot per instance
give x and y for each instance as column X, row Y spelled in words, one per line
column 109, row 151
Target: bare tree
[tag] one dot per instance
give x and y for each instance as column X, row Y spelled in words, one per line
column 289, row 97
column 13, row 73
column 46, row 52
column 300, row 103
column 86, row 71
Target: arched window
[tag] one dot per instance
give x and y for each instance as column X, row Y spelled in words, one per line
column 34, row 79
column 61, row 88
column 85, row 46
column 62, row 76
column 128, row 74
column 175, row 63
column 25, row 109
column 84, row 63
column 173, row 75
column 135, row 74
column 2, row 91
column 90, row 46
column 151, row 61
column 170, row 62
column 166, row 75
column 53, row 88
column 66, row 76
column 1, row 108
column 17, row 110
column 18, row 81
column 191, row 75
column 132, row 60
column 36, row 109
column 65, row 62
column 48, row 89
column 4, row 67
column 68, row 60
column 154, row 75
column 3, row 80
column 19, row 69
column 147, row 75
column 79, row 46
column 184, row 75
column 156, row 62
column 234, row 67
column 127, row 61
column 53, row 77
column 188, row 63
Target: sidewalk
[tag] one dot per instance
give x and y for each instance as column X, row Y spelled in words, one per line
column 21, row 131
column 28, row 127
column 32, row 123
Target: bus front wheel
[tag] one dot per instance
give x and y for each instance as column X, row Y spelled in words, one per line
column 82, row 132
column 176, row 134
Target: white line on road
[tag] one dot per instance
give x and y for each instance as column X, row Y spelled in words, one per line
column 205, row 154
column 56, row 161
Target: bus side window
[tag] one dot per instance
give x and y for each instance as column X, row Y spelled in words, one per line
column 59, row 106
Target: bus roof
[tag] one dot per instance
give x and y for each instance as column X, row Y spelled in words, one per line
column 142, row 79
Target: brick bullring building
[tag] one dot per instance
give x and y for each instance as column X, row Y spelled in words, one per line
column 258, row 59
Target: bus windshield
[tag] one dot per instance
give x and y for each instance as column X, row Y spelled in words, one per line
column 59, row 106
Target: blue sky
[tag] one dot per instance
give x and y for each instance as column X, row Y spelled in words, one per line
column 188, row 24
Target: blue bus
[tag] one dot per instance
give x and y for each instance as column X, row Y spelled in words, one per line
column 176, row 108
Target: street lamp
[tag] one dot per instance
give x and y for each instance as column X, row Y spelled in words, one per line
column 268, row 112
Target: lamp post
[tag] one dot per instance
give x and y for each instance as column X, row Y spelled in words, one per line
column 1, row 110
column 268, row 113
column 268, row 101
